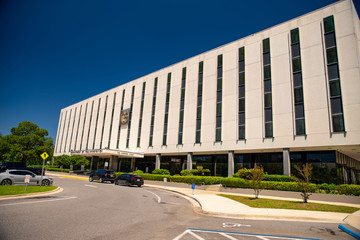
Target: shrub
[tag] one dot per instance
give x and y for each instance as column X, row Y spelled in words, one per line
column 243, row 173
column 161, row 172
column 200, row 171
column 186, row 173
column 234, row 182
column 138, row 172
column 278, row 178
column 154, row 177
column 348, row 189
column 328, row 188
column 58, row 169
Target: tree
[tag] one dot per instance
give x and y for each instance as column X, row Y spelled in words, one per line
column 255, row 177
column 25, row 143
column 304, row 180
column 63, row 160
column 77, row 161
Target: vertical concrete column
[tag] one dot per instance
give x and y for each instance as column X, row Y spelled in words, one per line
column 94, row 163
column 286, row 162
column 132, row 166
column 157, row 161
column 113, row 163
column 189, row 161
column 231, row 164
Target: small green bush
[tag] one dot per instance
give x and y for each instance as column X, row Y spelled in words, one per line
column 186, row 173
column 154, row 177
column 161, row 172
column 243, row 173
column 138, row 172
column 328, row 188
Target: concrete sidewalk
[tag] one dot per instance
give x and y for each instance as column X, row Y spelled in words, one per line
column 213, row 204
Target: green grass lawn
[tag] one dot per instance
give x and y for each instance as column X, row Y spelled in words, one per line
column 270, row 203
column 15, row 190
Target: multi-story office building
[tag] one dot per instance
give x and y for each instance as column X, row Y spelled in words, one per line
column 283, row 96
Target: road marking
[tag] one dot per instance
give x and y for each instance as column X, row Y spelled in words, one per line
column 86, row 185
column 196, row 236
column 51, row 200
column 226, row 234
column 232, row 225
column 158, row 198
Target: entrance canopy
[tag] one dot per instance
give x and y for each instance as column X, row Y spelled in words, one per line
column 106, row 153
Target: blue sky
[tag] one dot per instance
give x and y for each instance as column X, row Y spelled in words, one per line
column 57, row 53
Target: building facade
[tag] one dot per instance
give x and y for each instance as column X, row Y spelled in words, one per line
column 283, row 96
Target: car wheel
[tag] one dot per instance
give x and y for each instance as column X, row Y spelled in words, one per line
column 139, row 185
column 90, row 179
column 6, row 182
column 46, row 182
column 101, row 180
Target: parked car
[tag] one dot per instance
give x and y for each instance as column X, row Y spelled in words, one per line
column 20, row 166
column 102, row 175
column 129, row 179
column 17, row 176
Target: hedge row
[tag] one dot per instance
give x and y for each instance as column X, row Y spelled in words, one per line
column 237, row 182
column 58, row 169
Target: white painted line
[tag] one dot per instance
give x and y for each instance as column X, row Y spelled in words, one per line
column 158, row 198
column 86, row 185
column 51, row 200
column 181, row 235
column 227, row 236
column 196, row 236
column 263, row 238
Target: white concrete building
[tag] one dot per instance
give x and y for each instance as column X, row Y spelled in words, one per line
column 286, row 95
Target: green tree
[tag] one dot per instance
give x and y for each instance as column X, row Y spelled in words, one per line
column 25, row 143
column 77, row 161
column 304, row 180
column 63, row 160
column 256, row 176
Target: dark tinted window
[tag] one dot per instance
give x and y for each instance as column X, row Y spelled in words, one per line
column 295, row 50
column 330, row 40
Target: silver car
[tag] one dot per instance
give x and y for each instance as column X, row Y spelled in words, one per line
column 14, row 176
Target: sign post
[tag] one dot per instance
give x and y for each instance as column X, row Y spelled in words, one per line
column 193, row 188
column 43, row 156
column 27, row 180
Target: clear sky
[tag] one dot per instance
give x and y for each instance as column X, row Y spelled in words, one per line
column 57, row 53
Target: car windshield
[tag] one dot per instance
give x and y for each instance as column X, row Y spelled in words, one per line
column 136, row 176
column 110, row 172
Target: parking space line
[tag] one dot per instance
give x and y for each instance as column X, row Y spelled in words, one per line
column 227, row 236
column 260, row 236
column 196, row 236
column 50, row 200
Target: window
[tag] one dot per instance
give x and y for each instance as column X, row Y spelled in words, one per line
column 167, row 108
column 182, row 106
column 103, row 125
column 112, row 118
column 267, row 88
column 130, row 117
column 141, row 114
column 219, row 98
column 121, row 109
column 199, row 103
column 333, row 75
column 297, row 82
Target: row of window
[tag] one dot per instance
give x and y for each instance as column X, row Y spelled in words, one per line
column 334, row 86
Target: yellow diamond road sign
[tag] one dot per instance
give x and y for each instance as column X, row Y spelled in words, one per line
column 44, row 155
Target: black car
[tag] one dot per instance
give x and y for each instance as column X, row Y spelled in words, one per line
column 102, row 175
column 129, row 179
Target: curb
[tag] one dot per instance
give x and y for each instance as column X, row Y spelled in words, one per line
column 26, row 195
